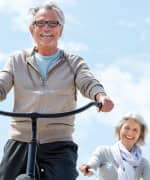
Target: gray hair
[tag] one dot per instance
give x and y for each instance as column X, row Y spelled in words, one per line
column 137, row 118
column 48, row 6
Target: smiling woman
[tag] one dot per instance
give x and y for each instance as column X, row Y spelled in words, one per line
column 123, row 160
column 131, row 130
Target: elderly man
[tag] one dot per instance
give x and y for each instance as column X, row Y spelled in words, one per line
column 45, row 80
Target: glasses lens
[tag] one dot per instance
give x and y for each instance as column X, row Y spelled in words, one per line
column 51, row 24
column 40, row 23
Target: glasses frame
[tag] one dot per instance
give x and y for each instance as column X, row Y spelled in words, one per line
column 49, row 23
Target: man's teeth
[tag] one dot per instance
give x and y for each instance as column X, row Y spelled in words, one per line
column 46, row 35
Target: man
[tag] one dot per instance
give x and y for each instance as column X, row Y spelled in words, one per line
column 45, row 81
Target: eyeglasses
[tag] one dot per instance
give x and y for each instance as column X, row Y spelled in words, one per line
column 42, row 23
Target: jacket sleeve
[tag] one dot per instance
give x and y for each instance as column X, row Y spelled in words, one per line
column 85, row 81
column 99, row 157
column 6, row 79
column 146, row 170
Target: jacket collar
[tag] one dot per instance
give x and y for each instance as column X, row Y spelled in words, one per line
column 30, row 57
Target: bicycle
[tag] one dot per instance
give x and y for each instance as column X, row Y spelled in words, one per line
column 32, row 145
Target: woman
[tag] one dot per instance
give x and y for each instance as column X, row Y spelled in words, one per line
column 123, row 160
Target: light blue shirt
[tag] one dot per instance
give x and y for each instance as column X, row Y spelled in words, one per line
column 44, row 62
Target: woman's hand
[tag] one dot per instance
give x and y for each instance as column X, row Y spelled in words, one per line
column 85, row 169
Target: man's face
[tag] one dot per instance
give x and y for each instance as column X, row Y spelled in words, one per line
column 46, row 29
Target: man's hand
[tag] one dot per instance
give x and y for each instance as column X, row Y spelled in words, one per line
column 107, row 103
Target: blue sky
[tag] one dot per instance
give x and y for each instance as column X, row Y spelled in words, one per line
column 114, row 39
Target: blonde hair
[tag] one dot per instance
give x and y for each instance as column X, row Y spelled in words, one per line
column 137, row 118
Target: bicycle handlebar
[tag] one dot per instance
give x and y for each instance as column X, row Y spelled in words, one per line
column 54, row 115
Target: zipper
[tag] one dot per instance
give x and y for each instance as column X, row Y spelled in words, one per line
column 36, row 70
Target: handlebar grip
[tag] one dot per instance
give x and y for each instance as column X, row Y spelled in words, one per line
column 99, row 104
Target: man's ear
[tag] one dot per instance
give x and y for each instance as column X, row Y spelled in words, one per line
column 61, row 31
column 31, row 29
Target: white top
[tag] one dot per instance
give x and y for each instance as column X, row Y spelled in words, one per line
column 103, row 159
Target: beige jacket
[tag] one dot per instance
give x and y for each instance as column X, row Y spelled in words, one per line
column 55, row 94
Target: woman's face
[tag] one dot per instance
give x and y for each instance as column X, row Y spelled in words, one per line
column 130, row 133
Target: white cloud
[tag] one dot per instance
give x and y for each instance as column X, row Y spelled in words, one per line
column 73, row 46
column 68, row 2
column 145, row 35
column 129, row 95
column 127, row 24
column 16, row 6
column 147, row 20
column 128, row 84
column 19, row 10
column 138, row 65
column 2, row 57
